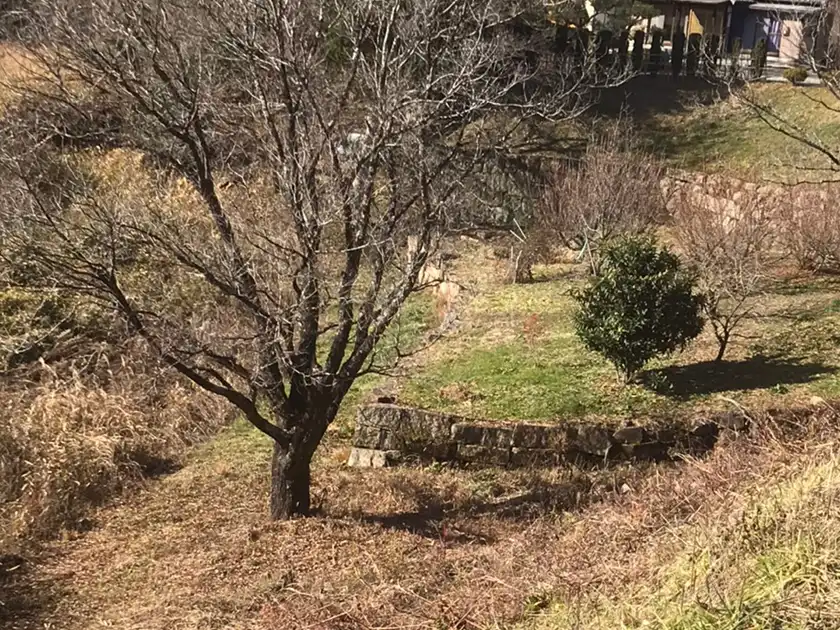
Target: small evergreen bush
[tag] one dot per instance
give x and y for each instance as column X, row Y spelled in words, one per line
column 602, row 44
column 623, row 43
column 795, row 75
column 642, row 305
column 735, row 57
column 677, row 53
column 655, row 50
column 693, row 58
column 638, row 50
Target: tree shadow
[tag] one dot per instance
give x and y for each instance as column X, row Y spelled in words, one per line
column 824, row 282
column 448, row 521
column 24, row 603
column 645, row 97
column 153, row 466
column 709, row 377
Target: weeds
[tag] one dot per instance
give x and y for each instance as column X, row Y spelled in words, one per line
column 67, row 444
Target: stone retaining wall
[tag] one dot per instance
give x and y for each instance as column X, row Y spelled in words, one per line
column 388, row 434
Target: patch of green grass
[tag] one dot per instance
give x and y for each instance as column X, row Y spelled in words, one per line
column 239, row 442
column 728, row 135
column 514, row 381
column 416, row 319
column 517, row 357
column 545, row 299
column 815, row 338
column 828, row 387
column 521, row 360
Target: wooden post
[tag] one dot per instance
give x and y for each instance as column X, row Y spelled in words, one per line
column 727, row 23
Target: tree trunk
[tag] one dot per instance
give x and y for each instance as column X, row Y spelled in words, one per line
column 290, row 479
column 723, row 341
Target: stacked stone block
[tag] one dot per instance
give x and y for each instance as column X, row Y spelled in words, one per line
column 388, row 434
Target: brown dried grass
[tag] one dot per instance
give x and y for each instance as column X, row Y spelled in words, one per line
column 678, row 543
column 71, row 442
column 408, row 548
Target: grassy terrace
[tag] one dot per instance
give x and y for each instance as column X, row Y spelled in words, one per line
column 515, row 356
column 696, row 126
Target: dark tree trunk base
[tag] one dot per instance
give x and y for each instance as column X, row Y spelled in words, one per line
column 723, row 343
column 290, row 480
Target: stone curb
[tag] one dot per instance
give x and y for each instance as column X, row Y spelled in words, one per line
column 389, row 434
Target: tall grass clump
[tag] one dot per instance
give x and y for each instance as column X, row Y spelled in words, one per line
column 68, row 443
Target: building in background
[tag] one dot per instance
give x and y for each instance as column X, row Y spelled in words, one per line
column 794, row 30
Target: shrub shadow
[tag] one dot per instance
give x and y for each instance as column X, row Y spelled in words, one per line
column 644, row 97
column 709, row 377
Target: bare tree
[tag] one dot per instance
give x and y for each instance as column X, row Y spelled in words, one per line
column 614, row 189
column 810, row 226
column 316, row 136
column 727, row 233
column 818, row 32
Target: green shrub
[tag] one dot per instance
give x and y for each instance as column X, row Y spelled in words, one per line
column 693, row 58
column 677, row 53
column 655, row 50
column 602, row 44
column 795, row 75
column 623, row 43
column 735, row 57
column 642, row 305
column 561, row 38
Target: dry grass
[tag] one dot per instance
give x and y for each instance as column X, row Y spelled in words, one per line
column 16, row 66
column 100, row 413
column 408, row 548
column 70, row 442
column 427, row 548
column 745, row 539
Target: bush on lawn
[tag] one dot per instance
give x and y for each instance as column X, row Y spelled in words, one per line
column 795, row 75
column 642, row 305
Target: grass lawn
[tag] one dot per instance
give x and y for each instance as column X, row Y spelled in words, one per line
column 515, row 356
column 727, row 135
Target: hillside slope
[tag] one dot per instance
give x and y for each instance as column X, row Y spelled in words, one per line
column 747, row 538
